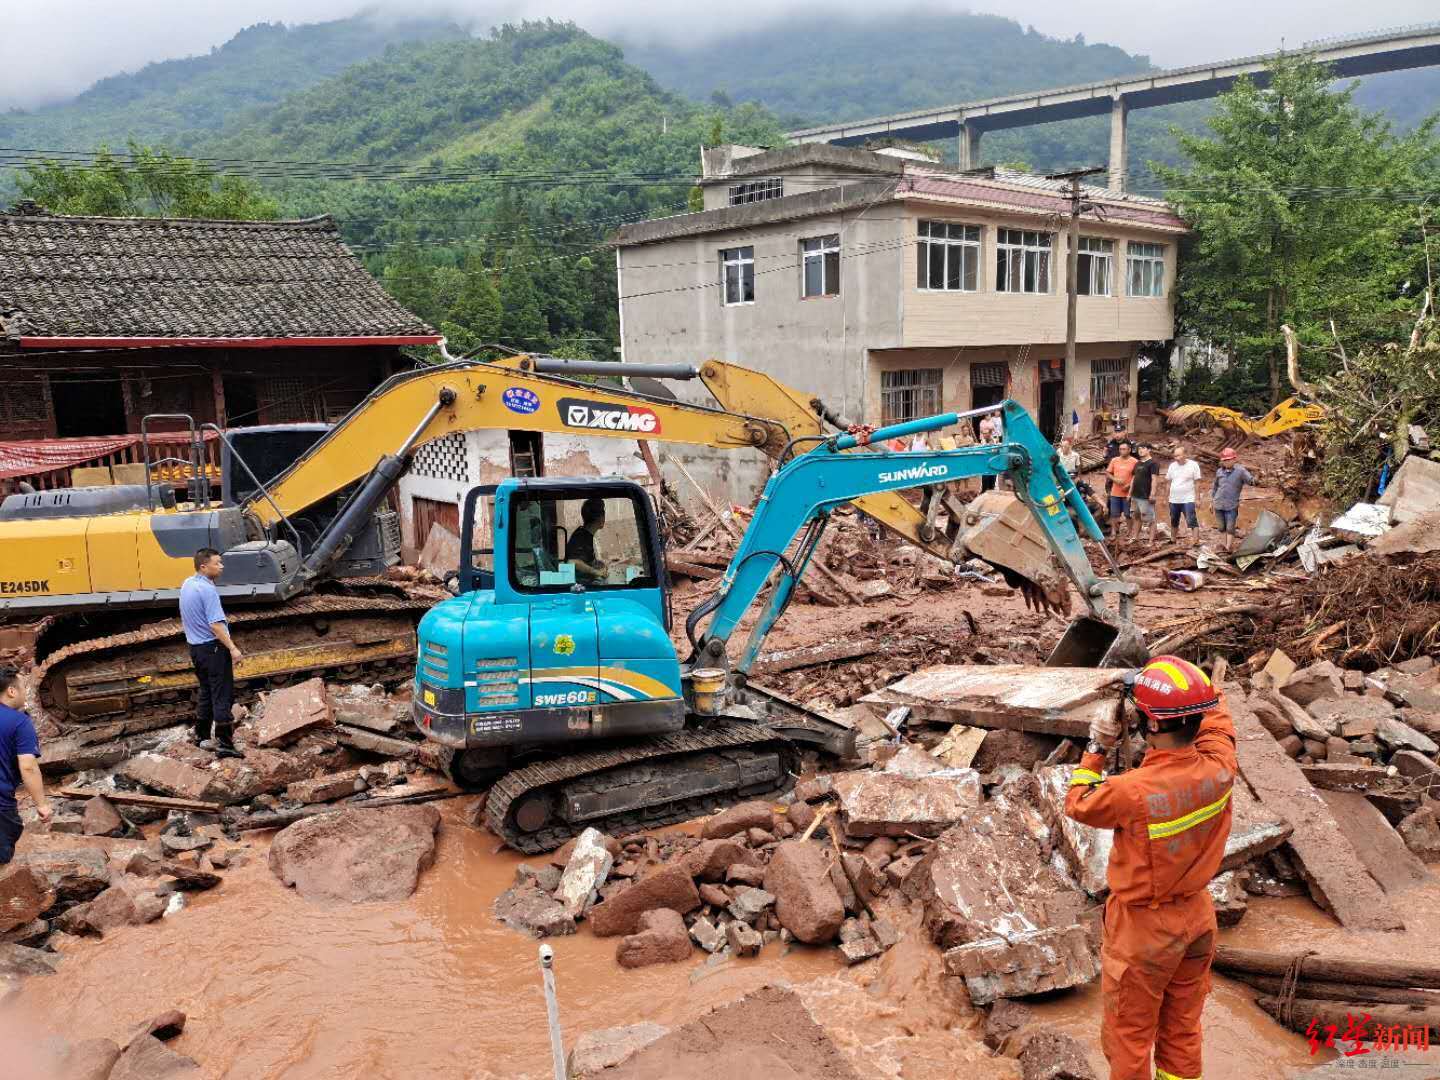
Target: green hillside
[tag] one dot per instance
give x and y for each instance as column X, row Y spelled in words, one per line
column 177, row 102
column 814, row 69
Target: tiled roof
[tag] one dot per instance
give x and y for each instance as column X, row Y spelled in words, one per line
column 1037, row 194
column 163, row 278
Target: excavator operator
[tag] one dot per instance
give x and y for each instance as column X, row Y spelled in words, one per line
column 1171, row 819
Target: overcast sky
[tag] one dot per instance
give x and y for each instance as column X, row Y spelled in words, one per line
column 52, row 49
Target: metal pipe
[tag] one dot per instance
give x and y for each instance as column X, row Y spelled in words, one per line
column 552, row 1010
column 899, row 431
column 549, row 365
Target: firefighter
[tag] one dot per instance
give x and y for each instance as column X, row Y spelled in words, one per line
column 1171, row 818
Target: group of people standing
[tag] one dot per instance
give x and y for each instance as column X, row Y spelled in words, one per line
column 1134, row 483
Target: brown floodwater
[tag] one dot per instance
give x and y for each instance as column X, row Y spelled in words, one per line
column 435, row 987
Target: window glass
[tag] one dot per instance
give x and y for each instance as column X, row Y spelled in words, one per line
column 1094, row 266
column 738, row 275
column 1146, row 268
column 560, row 540
column 949, row 256
column 1022, row 261
column 820, row 266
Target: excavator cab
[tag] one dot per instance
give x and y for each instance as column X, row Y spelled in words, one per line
column 560, row 631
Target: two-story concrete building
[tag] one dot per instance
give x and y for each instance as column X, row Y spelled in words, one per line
column 894, row 287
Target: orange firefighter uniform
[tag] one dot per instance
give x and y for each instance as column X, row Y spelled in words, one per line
column 1171, row 818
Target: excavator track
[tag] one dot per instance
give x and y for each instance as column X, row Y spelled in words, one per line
column 142, row 675
column 644, row 784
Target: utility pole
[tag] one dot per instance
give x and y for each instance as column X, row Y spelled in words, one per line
column 1072, row 285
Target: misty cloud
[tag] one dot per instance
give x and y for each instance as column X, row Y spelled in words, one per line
column 51, row 51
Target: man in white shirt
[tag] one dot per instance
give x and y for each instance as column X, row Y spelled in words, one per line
column 1181, row 477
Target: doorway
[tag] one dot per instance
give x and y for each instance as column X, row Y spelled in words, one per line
column 242, row 403
column 1052, row 399
column 87, row 405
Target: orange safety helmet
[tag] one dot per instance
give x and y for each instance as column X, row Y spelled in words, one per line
column 1168, row 688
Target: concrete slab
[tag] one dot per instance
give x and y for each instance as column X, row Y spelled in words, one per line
column 1334, row 873
column 1087, row 849
column 1030, row 962
column 291, row 711
column 957, row 749
column 1254, row 830
column 1377, row 843
column 895, row 804
column 1413, row 490
column 1022, row 697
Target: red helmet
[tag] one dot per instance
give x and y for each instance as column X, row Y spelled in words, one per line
column 1167, row 688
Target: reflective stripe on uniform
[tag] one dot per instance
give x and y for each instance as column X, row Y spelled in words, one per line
column 1161, row 1074
column 1085, row 776
column 1162, row 829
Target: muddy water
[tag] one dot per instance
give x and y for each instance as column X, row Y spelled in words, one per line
column 278, row 987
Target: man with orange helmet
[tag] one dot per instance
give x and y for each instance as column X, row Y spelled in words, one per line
column 1171, row 818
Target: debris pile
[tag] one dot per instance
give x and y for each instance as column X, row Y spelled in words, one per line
column 336, row 764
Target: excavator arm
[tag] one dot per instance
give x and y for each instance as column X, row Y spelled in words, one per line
column 799, row 498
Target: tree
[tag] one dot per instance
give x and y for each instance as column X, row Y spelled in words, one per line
column 145, row 182
column 475, row 317
column 1294, row 202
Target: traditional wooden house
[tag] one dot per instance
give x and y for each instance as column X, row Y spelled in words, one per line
column 106, row 320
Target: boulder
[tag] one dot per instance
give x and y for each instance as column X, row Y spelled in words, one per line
column 743, row 939
column 560, row 857
column 1005, row 1019
column 714, row 895
column 737, row 819
column 129, row 902
column 662, row 939
column 163, row 1026
column 1401, row 736
column 587, row 870
column 101, row 818
column 710, row 859
column 1053, row 1055
column 749, row 904
column 805, row 898
column 75, row 874
column 527, row 909
column 1421, row 833
column 707, row 935
column 25, row 894
column 147, row 1058
column 800, row 814
column 667, row 887
column 596, row 1051
column 1229, row 896
column 33, row 932
column 20, row 960
column 745, row 874
column 355, row 855
column 889, row 804
column 1310, row 684
column 1086, row 849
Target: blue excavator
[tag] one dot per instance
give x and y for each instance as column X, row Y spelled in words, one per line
column 552, row 678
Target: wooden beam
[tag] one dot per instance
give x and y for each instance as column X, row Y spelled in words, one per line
column 1401, row 973
column 133, row 798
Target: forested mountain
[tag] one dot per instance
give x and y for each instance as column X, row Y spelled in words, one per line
column 177, row 102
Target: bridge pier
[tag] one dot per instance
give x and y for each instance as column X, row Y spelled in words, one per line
column 969, row 146
column 1119, row 149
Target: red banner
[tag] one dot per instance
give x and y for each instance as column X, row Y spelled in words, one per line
column 26, row 457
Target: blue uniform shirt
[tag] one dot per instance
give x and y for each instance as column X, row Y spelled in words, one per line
column 17, row 736
column 199, row 607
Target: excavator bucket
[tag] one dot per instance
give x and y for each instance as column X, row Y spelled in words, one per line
column 998, row 528
column 1091, row 642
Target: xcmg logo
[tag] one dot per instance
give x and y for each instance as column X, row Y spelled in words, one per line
column 915, row 472
column 576, row 413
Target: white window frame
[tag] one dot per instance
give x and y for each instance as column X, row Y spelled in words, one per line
column 1101, row 255
column 1021, row 255
column 960, row 248
column 743, row 260
column 823, row 252
column 749, row 191
column 920, row 389
column 1144, row 269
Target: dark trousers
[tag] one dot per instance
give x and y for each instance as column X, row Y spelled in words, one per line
column 10, row 829
column 217, row 691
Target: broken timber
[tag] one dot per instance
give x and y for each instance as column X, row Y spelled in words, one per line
column 1334, row 873
column 1021, row 697
column 1377, row 1016
column 135, row 798
column 772, row 663
column 1399, row 973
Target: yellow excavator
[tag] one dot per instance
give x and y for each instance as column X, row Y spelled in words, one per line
column 1287, row 416
column 305, row 544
